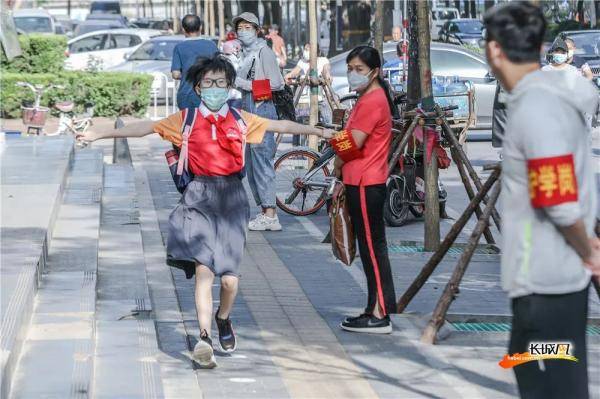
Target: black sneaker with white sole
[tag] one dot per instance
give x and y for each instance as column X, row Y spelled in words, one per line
column 203, row 352
column 368, row 324
column 226, row 334
column 352, row 319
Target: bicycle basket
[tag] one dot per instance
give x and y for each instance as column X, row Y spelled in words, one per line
column 34, row 117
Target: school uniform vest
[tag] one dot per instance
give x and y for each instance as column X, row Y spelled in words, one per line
column 217, row 144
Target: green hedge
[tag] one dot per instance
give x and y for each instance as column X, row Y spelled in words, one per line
column 114, row 93
column 40, row 54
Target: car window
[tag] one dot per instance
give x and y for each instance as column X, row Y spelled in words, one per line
column 587, row 43
column 90, row 43
column 161, row 50
column 451, row 63
column 34, row 24
column 470, row 26
column 123, row 41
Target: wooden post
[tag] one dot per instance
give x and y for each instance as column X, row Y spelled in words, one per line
column 432, row 205
column 221, row 13
column 403, row 142
column 314, row 89
column 439, row 314
column 438, row 255
column 449, row 135
column 465, row 179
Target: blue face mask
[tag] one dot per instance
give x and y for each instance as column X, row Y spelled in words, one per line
column 214, row 97
column 247, row 37
column 560, row 58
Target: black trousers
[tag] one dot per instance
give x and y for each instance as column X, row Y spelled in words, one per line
column 548, row 318
column 365, row 204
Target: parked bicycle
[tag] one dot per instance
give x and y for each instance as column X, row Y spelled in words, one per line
column 34, row 115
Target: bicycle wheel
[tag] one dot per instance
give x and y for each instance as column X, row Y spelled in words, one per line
column 396, row 209
column 294, row 194
column 349, row 100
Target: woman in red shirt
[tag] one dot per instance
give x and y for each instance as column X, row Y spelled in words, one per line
column 207, row 229
column 362, row 153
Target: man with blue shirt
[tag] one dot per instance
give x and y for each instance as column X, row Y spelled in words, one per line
column 185, row 55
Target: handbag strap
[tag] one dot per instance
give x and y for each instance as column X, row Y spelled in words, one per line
column 252, row 72
column 186, row 130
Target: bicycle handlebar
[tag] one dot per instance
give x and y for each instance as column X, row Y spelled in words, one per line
column 328, row 125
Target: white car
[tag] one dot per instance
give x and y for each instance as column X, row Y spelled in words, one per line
column 35, row 21
column 103, row 49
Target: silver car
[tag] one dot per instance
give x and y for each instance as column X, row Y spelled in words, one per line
column 154, row 57
column 446, row 60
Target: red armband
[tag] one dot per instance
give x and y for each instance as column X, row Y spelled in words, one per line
column 345, row 147
column 552, row 181
column 261, row 90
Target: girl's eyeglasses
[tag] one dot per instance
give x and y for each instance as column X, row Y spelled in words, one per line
column 208, row 83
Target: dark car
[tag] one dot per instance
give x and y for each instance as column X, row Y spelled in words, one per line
column 587, row 44
column 116, row 18
column 105, row 7
column 462, row 31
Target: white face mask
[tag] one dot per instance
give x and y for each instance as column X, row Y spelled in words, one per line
column 358, row 81
column 306, row 54
column 247, row 37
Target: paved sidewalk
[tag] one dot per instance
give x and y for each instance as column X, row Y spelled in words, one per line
column 293, row 296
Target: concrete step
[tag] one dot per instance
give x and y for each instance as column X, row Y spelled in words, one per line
column 34, row 172
column 58, row 352
column 126, row 364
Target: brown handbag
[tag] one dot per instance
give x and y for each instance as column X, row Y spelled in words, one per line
column 343, row 240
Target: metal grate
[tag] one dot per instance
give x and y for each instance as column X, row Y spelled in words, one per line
column 401, row 247
column 505, row 327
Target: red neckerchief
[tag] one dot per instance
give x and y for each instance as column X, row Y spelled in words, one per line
column 231, row 143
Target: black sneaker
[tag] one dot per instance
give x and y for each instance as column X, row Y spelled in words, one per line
column 226, row 334
column 203, row 352
column 370, row 324
column 352, row 319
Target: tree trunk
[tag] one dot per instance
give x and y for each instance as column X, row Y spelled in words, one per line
column 473, row 8
column 432, row 211
column 249, row 6
column 175, row 16
column 487, row 4
column 457, row 6
column 467, row 4
column 221, row 13
column 205, row 21
column 580, row 13
column 197, row 8
column 378, row 24
column 211, row 16
column 314, row 90
column 413, row 89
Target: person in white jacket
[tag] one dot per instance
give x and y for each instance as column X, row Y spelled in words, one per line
column 548, row 205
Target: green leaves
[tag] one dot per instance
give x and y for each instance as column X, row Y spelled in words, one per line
column 114, row 93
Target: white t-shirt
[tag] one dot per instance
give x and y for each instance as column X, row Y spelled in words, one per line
column 567, row 68
column 305, row 66
column 321, row 62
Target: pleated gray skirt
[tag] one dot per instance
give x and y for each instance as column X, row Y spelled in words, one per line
column 208, row 226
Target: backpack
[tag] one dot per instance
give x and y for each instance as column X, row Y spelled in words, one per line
column 178, row 162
